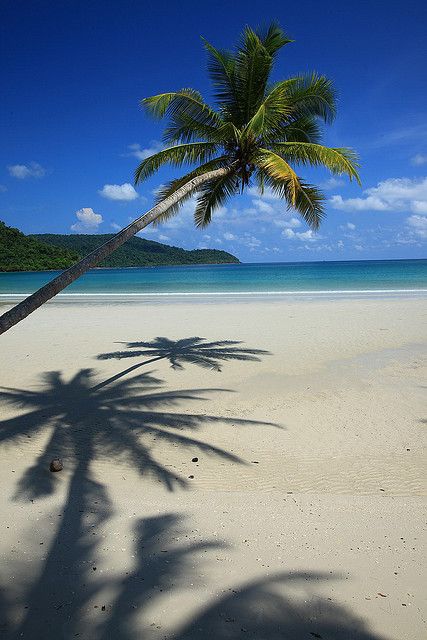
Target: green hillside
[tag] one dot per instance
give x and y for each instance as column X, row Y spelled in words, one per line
column 43, row 252
column 137, row 252
column 23, row 253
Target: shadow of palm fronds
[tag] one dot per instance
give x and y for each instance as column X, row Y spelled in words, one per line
column 195, row 350
column 122, row 421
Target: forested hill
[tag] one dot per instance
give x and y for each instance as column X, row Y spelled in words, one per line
column 137, row 252
column 23, row 253
column 41, row 252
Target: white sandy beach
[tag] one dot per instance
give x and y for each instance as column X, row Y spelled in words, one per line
column 303, row 517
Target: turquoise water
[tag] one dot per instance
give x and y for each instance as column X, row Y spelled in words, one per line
column 375, row 275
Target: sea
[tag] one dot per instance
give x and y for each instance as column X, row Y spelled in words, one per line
column 315, row 279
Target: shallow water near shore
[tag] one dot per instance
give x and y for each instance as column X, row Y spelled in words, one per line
column 394, row 276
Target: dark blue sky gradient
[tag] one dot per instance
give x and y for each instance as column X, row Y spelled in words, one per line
column 72, row 74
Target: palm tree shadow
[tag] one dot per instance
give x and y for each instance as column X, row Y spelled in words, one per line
column 122, row 421
column 270, row 608
column 162, row 567
column 193, row 350
column 87, row 423
column 284, row 606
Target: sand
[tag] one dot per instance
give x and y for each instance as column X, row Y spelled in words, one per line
column 303, row 516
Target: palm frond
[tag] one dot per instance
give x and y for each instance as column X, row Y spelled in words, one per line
column 270, row 114
column 212, row 195
column 221, row 69
column 309, row 201
column 338, row 161
column 273, row 38
column 186, row 101
column 169, row 188
column 252, row 71
column 278, row 169
column 183, row 128
column 311, row 95
column 309, row 204
column 304, row 129
column 177, row 156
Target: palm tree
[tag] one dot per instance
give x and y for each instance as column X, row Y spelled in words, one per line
column 258, row 131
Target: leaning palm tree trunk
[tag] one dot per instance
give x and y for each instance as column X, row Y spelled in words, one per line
column 34, row 301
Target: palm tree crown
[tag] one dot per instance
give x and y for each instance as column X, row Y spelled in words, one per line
column 257, row 133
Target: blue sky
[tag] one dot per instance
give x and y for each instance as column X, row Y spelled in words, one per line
column 72, row 131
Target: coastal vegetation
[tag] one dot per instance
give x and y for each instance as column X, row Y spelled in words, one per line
column 43, row 252
column 24, row 253
column 137, row 252
column 258, row 132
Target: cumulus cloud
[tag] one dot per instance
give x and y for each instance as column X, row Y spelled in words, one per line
column 23, row 171
column 370, row 203
column 308, row 235
column 88, row 220
column 137, row 151
column 262, row 205
column 124, row 192
column 394, row 194
column 418, row 159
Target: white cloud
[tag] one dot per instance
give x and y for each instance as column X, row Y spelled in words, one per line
column 137, row 151
column 22, row 171
column 332, row 183
column 418, row 159
column 229, row 236
column 394, row 194
column 124, row 192
column 267, row 195
column 358, row 204
column 308, row 235
column 147, row 231
column 419, row 206
column 164, row 238
column 291, row 223
column 88, row 220
column 419, row 224
column 359, row 247
column 115, row 226
column 262, row 205
column 251, row 242
column 351, row 226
